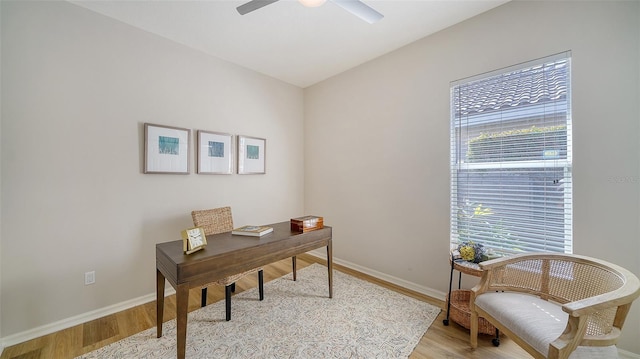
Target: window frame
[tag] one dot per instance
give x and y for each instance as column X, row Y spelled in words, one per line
column 526, row 114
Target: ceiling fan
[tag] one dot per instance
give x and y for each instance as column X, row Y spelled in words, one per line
column 356, row 7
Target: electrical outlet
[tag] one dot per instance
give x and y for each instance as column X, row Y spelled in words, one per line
column 89, row 278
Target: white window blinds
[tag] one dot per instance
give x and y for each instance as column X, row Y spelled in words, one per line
column 511, row 158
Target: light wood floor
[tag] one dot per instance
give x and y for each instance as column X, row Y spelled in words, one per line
column 450, row 342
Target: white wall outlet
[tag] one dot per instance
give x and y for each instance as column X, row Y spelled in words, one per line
column 89, row 277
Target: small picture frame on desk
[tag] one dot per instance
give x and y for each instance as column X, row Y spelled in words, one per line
column 193, row 239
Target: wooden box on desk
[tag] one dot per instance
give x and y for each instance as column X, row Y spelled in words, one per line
column 306, row 223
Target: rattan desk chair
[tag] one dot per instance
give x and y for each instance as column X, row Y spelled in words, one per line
column 214, row 221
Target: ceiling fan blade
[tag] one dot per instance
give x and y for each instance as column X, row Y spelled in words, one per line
column 359, row 9
column 253, row 5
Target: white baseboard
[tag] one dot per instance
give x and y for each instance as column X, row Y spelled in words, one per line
column 388, row 278
column 78, row 319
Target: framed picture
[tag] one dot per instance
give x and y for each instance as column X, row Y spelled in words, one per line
column 166, row 149
column 215, row 153
column 251, row 155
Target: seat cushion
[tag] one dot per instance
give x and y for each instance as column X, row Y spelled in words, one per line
column 536, row 321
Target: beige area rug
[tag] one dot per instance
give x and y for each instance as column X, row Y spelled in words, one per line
column 295, row 320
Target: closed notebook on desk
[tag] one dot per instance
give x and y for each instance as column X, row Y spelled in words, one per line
column 255, row 231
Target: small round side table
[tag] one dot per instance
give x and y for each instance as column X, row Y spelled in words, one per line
column 462, row 313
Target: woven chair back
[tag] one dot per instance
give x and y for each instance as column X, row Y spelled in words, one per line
column 563, row 281
column 213, row 221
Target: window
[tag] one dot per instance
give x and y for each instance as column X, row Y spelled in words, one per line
column 511, row 158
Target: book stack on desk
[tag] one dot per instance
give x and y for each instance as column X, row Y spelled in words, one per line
column 306, row 223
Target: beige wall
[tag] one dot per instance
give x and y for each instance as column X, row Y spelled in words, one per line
column 77, row 88
column 377, row 138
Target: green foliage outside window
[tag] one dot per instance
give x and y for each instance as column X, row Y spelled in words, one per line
column 477, row 224
column 516, row 145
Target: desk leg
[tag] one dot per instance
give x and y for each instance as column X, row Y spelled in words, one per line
column 159, row 301
column 182, row 304
column 330, row 268
column 293, row 264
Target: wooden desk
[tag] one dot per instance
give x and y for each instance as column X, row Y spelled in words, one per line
column 225, row 255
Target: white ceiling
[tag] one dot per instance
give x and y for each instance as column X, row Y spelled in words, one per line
column 286, row 40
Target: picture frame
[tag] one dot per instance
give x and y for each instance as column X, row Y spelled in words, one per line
column 166, row 149
column 251, row 155
column 214, row 152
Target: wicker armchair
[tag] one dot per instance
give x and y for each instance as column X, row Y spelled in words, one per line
column 214, row 221
column 555, row 305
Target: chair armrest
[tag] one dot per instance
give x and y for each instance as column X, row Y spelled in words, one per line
column 498, row 262
column 626, row 294
column 494, row 264
column 503, row 261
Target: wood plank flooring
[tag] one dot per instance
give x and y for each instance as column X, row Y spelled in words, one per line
column 446, row 342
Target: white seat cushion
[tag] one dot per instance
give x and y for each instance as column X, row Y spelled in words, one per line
column 536, row 321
